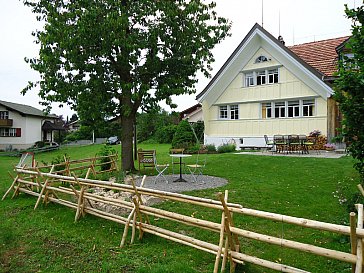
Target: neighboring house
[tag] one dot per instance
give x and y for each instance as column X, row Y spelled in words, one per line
column 73, row 126
column 22, row 125
column 266, row 88
column 192, row 114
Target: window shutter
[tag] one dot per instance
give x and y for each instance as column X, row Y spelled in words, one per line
column 18, row 132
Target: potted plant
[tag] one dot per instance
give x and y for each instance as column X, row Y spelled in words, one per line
column 315, row 133
column 329, row 147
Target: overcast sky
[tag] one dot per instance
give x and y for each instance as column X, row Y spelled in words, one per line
column 296, row 20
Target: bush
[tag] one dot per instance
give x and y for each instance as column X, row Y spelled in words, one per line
column 165, row 134
column 183, row 137
column 211, row 148
column 105, row 151
column 226, row 148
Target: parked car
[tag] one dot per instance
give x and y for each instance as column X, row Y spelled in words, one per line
column 114, row 140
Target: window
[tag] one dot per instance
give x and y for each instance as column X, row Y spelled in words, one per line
column 4, row 114
column 261, row 59
column 226, row 109
column 288, row 109
column 267, row 110
column 249, row 79
column 261, row 77
column 273, row 76
column 308, row 108
column 280, row 109
column 10, row 132
column 293, row 109
column 234, row 112
column 223, row 112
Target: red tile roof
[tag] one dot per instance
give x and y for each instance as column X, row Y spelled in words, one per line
column 321, row 55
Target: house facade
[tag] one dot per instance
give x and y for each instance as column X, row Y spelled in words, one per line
column 22, row 125
column 266, row 88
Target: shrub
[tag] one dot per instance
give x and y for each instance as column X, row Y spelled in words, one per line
column 165, row 134
column 105, row 151
column 183, row 137
column 211, row 148
column 226, row 148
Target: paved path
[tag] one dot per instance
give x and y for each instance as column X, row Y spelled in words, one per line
column 203, row 182
column 320, row 154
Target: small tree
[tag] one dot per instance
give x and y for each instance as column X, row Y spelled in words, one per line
column 349, row 89
column 183, row 137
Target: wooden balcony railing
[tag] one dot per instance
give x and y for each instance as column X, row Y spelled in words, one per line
column 6, row 122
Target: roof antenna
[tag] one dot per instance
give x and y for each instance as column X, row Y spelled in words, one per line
column 262, row 12
column 279, row 23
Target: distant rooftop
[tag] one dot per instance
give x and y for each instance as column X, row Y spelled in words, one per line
column 321, row 55
column 25, row 109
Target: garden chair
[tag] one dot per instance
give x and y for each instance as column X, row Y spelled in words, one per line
column 294, row 143
column 269, row 144
column 280, row 143
column 175, row 161
column 146, row 158
column 197, row 169
column 160, row 168
column 311, row 144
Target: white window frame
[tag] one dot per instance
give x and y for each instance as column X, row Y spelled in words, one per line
column 229, row 112
column 223, row 112
column 249, row 79
column 275, row 75
column 4, row 114
column 310, row 105
column 295, row 107
column 7, row 132
column 234, row 111
column 282, row 108
column 261, row 77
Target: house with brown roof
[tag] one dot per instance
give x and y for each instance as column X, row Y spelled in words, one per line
column 267, row 88
column 192, row 114
column 22, row 125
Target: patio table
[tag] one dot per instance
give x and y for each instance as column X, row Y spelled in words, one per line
column 180, row 179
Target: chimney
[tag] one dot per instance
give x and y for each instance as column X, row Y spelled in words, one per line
column 280, row 39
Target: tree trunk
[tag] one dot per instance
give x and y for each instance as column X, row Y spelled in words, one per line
column 127, row 123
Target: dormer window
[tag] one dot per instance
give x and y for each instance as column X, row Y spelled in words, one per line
column 261, row 59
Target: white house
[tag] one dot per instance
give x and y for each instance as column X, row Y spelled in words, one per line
column 22, row 125
column 266, row 88
column 192, row 114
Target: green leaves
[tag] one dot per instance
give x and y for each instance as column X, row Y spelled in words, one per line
column 349, row 89
column 135, row 53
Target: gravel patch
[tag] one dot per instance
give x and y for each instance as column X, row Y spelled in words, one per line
column 203, row 182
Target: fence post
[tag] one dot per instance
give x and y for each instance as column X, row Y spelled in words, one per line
column 359, row 248
column 222, row 233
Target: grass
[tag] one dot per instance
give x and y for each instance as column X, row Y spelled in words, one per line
column 48, row 240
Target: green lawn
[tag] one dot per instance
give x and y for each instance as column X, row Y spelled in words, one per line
column 48, row 240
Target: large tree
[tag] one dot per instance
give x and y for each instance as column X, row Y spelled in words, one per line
column 123, row 55
column 349, row 90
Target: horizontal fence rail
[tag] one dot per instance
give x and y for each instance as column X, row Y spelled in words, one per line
column 51, row 186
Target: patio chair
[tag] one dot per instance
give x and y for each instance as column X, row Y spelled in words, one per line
column 197, row 169
column 269, row 144
column 294, row 143
column 175, row 161
column 160, row 168
column 280, row 143
column 146, row 158
column 303, row 140
column 311, row 144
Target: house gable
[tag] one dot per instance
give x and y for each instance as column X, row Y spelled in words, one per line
column 259, row 40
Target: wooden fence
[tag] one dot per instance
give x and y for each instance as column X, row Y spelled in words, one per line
column 96, row 165
column 45, row 186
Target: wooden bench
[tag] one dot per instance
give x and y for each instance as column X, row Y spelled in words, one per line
column 146, row 158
